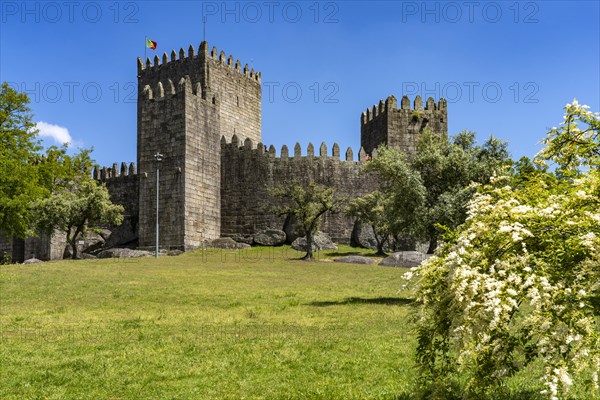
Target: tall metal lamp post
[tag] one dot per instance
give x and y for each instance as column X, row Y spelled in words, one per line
column 158, row 158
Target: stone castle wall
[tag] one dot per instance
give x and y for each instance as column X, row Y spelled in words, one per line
column 247, row 172
column 123, row 185
column 386, row 124
column 239, row 93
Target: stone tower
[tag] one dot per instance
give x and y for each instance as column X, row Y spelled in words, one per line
column 185, row 105
column 400, row 128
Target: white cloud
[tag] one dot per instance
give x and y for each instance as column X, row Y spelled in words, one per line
column 55, row 132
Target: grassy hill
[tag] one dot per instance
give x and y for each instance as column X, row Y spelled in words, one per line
column 210, row 324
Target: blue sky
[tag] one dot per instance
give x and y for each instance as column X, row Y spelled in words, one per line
column 506, row 68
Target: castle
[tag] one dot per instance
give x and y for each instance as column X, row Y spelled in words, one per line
column 202, row 111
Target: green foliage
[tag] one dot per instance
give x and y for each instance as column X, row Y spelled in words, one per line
column 49, row 192
column 307, row 204
column 373, row 209
column 433, row 187
column 402, row 189
column 447, row 169
column 18, row 149
column 58, row 170
column 569, row 145
column 516, row 282
column 74, row 208
column 5, row 258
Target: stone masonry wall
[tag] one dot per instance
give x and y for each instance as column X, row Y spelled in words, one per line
column 239, row 93
column 123, row 185
column 161, row 128
column 400, row 128
column 247, row 172
column 202, row 208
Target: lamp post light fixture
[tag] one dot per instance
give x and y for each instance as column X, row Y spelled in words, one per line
column 158, row 158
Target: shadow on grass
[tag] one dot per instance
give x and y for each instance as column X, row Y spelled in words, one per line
column 390, row 301
column 351, row 253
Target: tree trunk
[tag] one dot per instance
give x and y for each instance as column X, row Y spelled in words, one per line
column 380, row 243
column 74, row 242
column 74, row 249
column 309, row 250
column 432, row 245
column 380, row 252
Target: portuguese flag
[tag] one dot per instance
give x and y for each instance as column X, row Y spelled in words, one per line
column 151, row 44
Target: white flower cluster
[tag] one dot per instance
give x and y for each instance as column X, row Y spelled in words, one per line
column 493, row 268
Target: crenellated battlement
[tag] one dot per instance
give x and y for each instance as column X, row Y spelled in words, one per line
column 391, row 104
column 183, row 59
column 106, row 173
column 169, row 88
column 261, row 150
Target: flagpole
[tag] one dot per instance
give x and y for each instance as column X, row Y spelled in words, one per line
column 145, row 47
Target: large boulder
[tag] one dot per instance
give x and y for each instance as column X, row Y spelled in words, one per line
column 228, row 243
column 86, row 256
column 363, row 236
column 242, row 238
column 92, row 241
column 122, row 235
column 270, row 237
column 124, row 253
column 32, row 261
column 407, row 259
column 320, row 242
column 354, row 260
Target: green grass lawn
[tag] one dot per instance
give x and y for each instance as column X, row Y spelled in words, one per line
column 207, row 325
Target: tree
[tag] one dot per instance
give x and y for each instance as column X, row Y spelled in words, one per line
column 516, row 282
column 402, row 188
column 373, row 209
column 447, row 169
column 77, row 202
column 18, row 174
column 53, row 191
column 433, row 187
column 307, row 204
column 73, row 210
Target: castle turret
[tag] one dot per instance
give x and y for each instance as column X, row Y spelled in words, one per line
column 400, row 127
column 185, row 105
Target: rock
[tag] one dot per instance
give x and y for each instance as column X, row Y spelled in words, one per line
column 354, row 260
column 124, row 253
column 407, row 259
column 228, row 244
column 92, row 241
column 32, row 261
column 173, row 252
column 363, row 236
column 86, row 256
column 270, row 237
column 320, row 242
column 290, row 227
column 241, row 238
column 121, row 235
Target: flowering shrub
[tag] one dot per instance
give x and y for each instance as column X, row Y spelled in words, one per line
column 516, row 281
